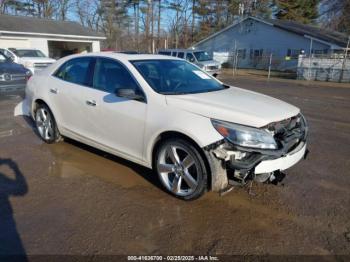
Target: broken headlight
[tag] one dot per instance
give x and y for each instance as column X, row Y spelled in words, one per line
column 245, row 136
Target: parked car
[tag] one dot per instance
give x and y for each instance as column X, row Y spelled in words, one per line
column 33, row 59
column 198, row 57
column 165, row 113
column 12, row 75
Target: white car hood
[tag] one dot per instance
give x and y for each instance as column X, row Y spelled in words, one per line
column 235, row 105
column 209, row 63
column 37, row 59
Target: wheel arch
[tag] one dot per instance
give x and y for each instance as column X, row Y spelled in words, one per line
column 176, row 134
column 38, row 101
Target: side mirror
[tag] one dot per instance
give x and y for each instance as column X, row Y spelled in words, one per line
column 129, row 94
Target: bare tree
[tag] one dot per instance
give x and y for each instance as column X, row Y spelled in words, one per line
column 335, row 15
column 89, row 13
column 179, row 22
column 159, row 23
column 62, row 8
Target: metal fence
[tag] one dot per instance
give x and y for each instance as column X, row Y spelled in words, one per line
column 266, row 62
column 330, row 67
column 333, row 68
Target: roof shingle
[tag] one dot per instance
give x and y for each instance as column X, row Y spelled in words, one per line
column 333, row 37
column 44, row 26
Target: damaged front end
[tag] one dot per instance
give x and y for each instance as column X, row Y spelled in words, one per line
column 234, row 163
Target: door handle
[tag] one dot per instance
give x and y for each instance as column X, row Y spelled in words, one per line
column 91, row 102
column 54, row 90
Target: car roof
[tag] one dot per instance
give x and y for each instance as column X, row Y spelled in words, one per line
column 126, row 57
column 15, row 49
column 176, row 50
column 180, row 50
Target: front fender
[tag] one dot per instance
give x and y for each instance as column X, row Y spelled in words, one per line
column 196, row 127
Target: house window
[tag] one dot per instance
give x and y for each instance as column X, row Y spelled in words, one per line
column 242, row 53
column 255, row 53
column 293, row 53
column 320, row 51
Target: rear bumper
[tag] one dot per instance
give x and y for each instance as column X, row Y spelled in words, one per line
column 23, row 108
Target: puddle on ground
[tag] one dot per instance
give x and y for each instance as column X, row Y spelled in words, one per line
column 72, row 161
column 6, row 133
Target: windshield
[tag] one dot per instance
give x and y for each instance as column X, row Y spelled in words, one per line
column 172, row 77
column 202, row 56
column 29, row 53
column 3, row 58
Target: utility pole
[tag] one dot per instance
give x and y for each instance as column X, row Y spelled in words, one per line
column 310, row 54
column 270, row 62
column 152, row 25
column 136, row 18
column 234, row 59
column 193, row 21
column 344, row 61
column 159, row 20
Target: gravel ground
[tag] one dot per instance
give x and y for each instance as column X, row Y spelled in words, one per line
column 68, row 198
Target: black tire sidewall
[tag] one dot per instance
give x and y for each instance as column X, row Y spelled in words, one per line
column 203, row 175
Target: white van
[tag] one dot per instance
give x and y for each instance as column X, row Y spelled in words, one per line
column 198, row 57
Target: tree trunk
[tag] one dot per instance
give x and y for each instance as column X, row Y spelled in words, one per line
column 159, row 19
column 152, row 25
column 193, row 21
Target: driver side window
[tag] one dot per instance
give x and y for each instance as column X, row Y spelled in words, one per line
column 110, row 75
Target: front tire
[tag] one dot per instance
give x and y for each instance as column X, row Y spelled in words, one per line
column 46, row 125
column 181, row 169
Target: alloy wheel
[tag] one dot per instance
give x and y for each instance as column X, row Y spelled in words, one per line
column 178, row 170
column 44, row 124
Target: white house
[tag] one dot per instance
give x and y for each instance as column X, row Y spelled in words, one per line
column 253, row 40
column 54, row 38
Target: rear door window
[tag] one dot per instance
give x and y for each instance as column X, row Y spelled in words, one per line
column 77, row 70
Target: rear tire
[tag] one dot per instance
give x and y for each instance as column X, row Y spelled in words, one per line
column 181, row 169
column 46, row 125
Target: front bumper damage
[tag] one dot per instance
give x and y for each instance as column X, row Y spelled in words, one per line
column 235, row 165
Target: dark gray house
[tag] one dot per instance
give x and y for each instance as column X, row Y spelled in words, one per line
column 254, row 39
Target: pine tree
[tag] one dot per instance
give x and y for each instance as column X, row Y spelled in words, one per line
column 114, row 19
column 297, row 10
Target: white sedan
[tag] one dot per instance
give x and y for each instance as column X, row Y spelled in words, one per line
column 164, row 113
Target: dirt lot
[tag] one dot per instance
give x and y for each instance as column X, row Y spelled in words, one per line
column 71, row 199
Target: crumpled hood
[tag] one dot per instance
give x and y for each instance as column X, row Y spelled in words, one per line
column 235, row 105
